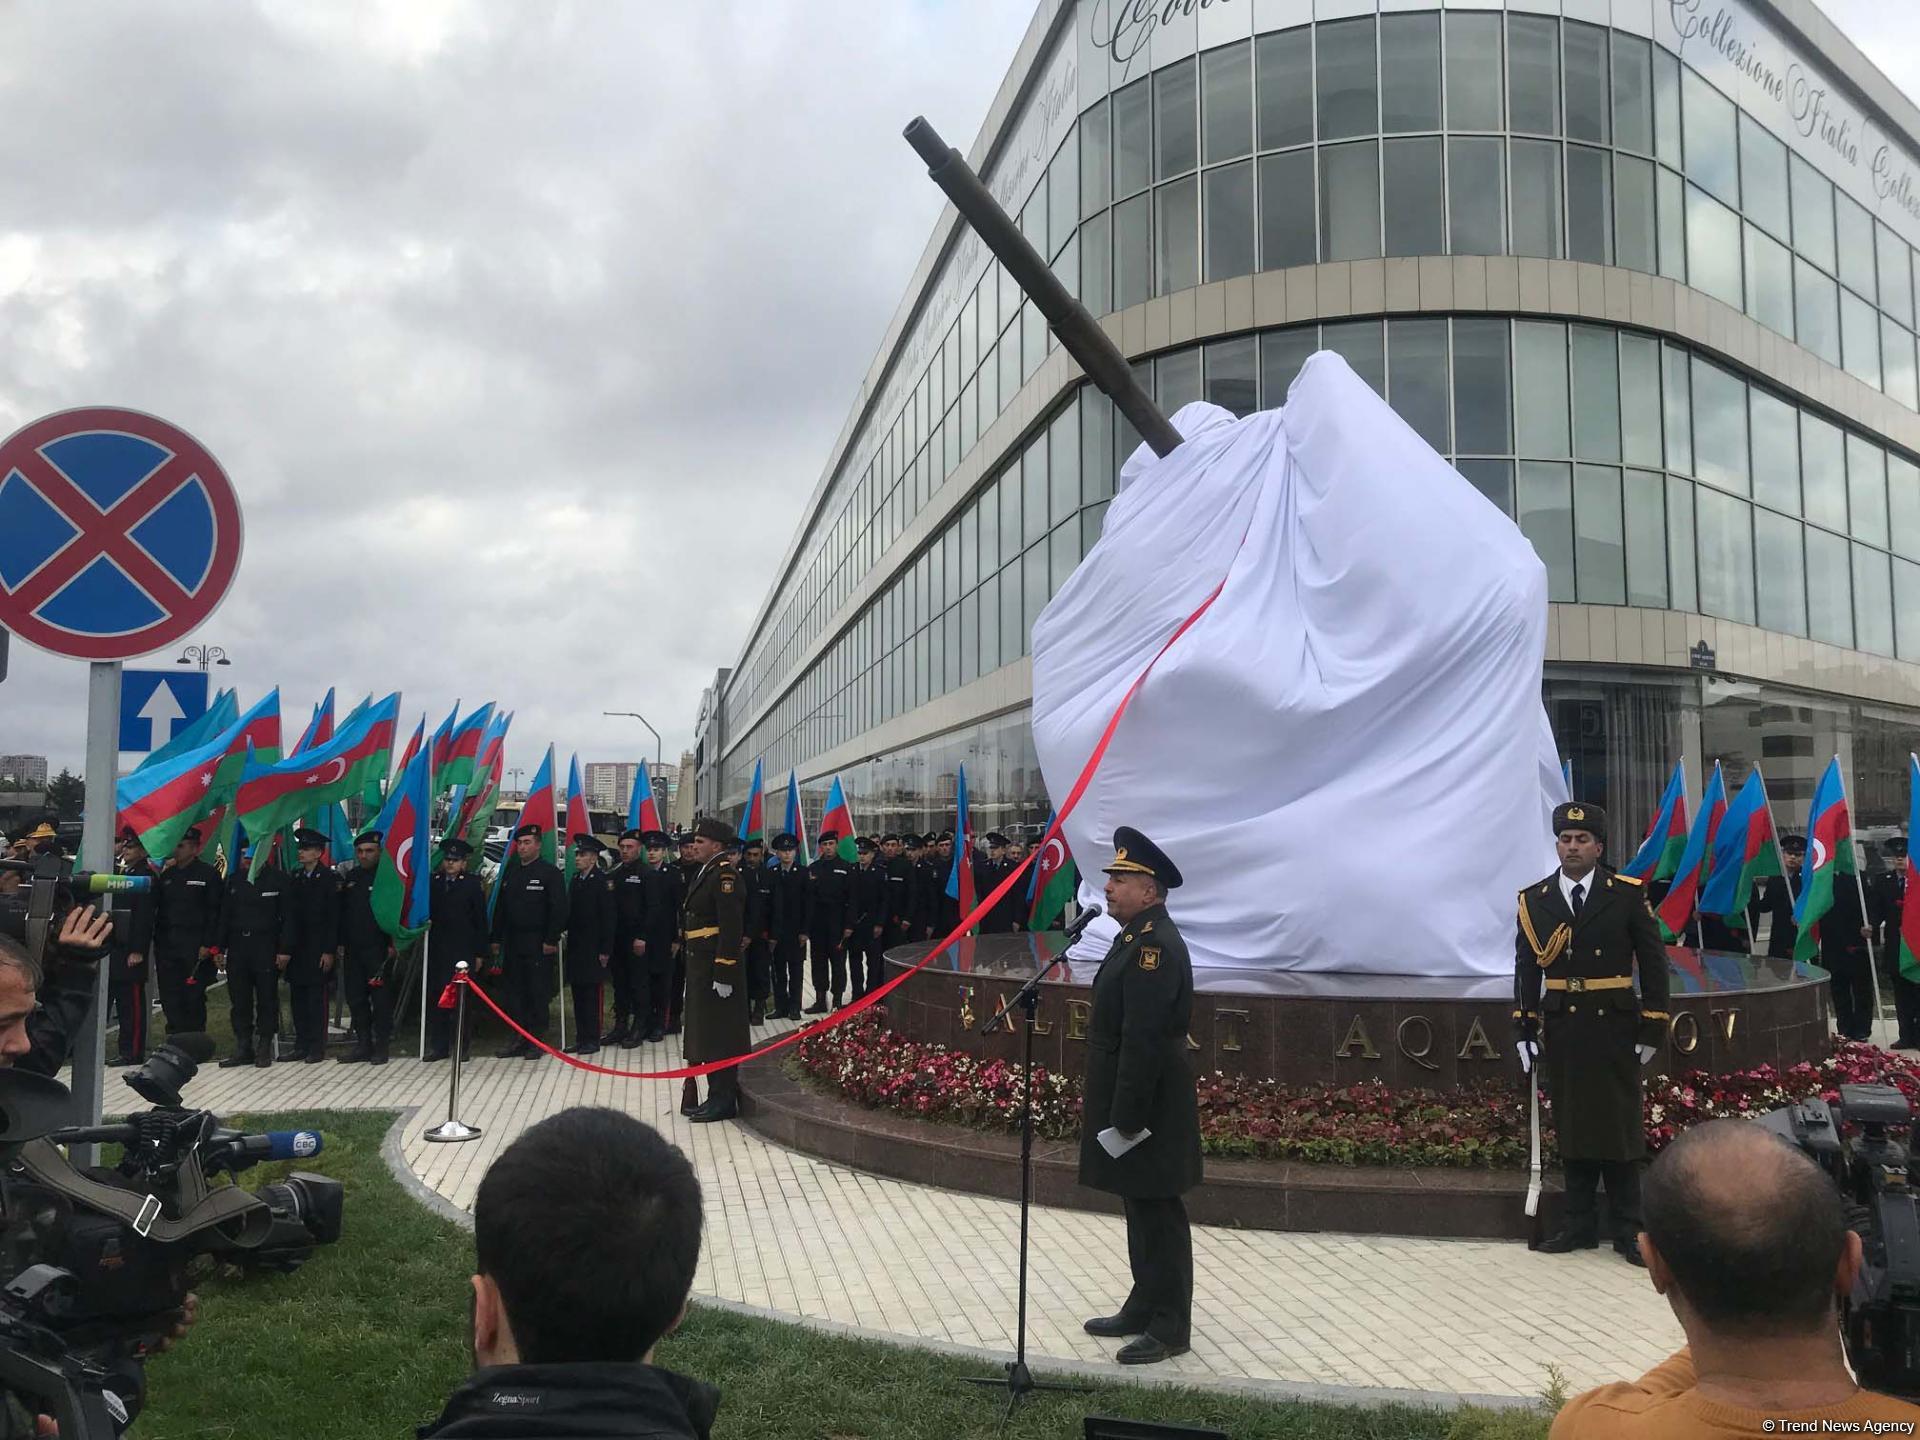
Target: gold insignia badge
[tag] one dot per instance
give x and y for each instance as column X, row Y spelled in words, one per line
column 1574, row 812
column 1118, row 854
column 1150, row 958
column 726, row 884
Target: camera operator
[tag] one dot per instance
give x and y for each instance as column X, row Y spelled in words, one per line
column 586, row 1232
column 1748, row 1240
column 41, row 1012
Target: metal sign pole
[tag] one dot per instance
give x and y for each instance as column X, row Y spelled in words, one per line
column 96, row 854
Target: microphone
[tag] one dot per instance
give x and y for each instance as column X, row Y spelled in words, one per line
column 279, row 1145
column 1080, row 922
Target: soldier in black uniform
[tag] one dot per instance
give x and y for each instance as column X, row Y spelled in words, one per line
column 869, row 919
column 253, row 937
column 664, row 959
column 129, row 962
column 590, row 933
column 685, row 867
column 186, row 910
column 312, row 940
column 786, row 886
column 946, row 908
column 528, row 919
column 1844, row 931
column 1776, row 898
column 457, row 931
column 1583, row 931
column 1139, row 1099
column 898, row 886
column 1003, row 919
column 926, row 887
column 367, row 961
column 627, row 963
column 830, row 918
column 1886, row 895
column 753, row 880
column 712, row 927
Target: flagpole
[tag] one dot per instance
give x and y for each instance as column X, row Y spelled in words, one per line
column 426, row 965
column 1860, row 889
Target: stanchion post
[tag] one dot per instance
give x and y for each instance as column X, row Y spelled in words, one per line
column 454, row 1130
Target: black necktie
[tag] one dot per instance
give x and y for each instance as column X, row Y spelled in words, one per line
column 1579, row 898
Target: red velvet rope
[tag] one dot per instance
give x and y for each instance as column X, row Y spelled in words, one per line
column 876, row 995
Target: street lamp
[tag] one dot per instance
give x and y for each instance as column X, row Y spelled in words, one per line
column 514, row 774
column 659, row 746
column 203, row 655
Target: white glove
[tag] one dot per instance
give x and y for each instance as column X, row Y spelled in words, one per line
column 1528, row 1052
column 1646, row 1053
column 723, row 991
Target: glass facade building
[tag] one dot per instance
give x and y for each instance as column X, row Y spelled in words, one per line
column 1650, row 286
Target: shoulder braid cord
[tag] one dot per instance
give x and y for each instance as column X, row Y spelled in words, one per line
column 1545, row 954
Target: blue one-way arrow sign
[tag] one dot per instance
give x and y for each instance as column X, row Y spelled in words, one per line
column 156, row 704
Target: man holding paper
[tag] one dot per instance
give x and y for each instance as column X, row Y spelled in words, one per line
column 1141, row 1137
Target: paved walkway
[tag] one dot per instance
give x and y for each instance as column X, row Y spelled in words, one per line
column 817, row 1242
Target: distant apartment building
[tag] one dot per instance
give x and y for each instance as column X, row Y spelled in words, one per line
column 610, row 784
column 25, row 770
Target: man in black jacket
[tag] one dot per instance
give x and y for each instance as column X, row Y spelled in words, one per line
column 312, row 941
column 664, row 960
column 753, row 880
column 590, row 928
column 869, row 919
column 367, row 970
column 563, row 1349
column 252, row 933
column 627, row 961
column 130, row 963
column 786, row 885
column 830, row 916
column 457, row 931
column 187, row 907
column 1777, row 895
column 527, row 921
column 1886, row 897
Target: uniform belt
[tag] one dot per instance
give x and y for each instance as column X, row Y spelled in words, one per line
column 704, row 934
column 1575, row 985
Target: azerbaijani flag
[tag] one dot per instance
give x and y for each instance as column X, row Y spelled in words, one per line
column 274, row 793
column 753, row 825
column 319, row 729
column 579, row 822
column 795, row 823
column 960, row 877
column 1051, row 884
column 159, row 803
column 643, row 811
column 476, row 805
column 542, row 809
column 839, row 817
column 1829, row 855
column 1659, row 854
column 1690, row 875
column 1910, row 904
column 401, row 894
column 457, row 756
column 1745, row 851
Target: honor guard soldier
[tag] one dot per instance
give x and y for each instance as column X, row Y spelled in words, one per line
column 786, row 886
column 528, row 919
column 753, row 876
column 1583, row 931
column 663, row 938
column 926, row 887
column 313, row 939
column 1003, row 919
column 712, row 931
column 128, row 965
column 830, row 916
column 186, row 910
column 1139, row 1101
column 590, row 927
column 457, row 931
column 627, row 965
column 1886, row 896
column 253, row 937
column 367, row 963
column 898, row 884
column 869, row 918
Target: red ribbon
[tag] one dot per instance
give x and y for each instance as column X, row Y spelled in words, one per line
column 450, row 996
column 875, row 996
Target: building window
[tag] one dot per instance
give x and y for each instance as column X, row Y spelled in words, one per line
column 1872, row 601
column 1477, row 213
column 1896, row 275
column 1906, row 608
column 1713, row 154
column 1816, row 312
column 1903, row 504
column 1284, row 62
column 1589, row 205
column 1640, row 399
column 1417, row 377
column 1769, row 281
column 1409, row 72
column 1635, row 234
column 1536, row 197
column 1829, row 589
column 1763, row 179
column 1726, row 556
column 1776, row 453
column 1226, row 102
column 1533, row 74
column 1482, row 414
column 1719, row 427
column 1588, row 99
column 1474, row 87
column 1599, row 536
column 1232, row 375
column 1545, row 515
column 1646, row 539
column 1132, row 139
column 1823, row 472
column 1859, row 338
column 1346, row 79
column 1176, row 227
column 1632, row 93
column 1413, row 186
column 1175, row 120
column 1867, row 491
column 1812, row 212
column 1713, row 248
column 1853, row 236
column 1132, row 251
column 1287, row 233
column 1783, row 581
column 1229, row 221
column 1540, row 388
column 1596, row 393
column 1350, row 201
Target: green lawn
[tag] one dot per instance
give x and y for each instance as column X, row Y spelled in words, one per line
column 368, row 1338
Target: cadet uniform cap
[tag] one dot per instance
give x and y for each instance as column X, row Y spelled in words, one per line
column 584, row 841
column 652, row 839
column 528, row 829
column 785, row 841
column 368, row 837
column 456, row 850
column 309, row 839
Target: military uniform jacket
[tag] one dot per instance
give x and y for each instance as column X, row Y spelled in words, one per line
column 360, row 933
column 629, row 881
column 253, row 916
column 1574, row 988
column 830, row 907
column 926, row 896
column 759, row 921
column 1842, row 946
column 1776, row 902
column 786, row 901
column 712, row 927
column 186, row 909
column 869, row 899
column 313, row 922
column 458, row 916
column 140, row 916
column 531, row 911
column 899, row 890
column 1886, row 892
column 1137, row 1071
column 590, row 924
column 663, row 914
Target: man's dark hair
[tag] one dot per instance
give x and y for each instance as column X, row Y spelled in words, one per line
column 589, row 1223
column 1752, row 1229
column 13, row 953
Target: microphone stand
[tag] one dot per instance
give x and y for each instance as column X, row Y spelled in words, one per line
column 1017, row 1377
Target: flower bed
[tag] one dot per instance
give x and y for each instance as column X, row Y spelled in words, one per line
column 1367, row 1124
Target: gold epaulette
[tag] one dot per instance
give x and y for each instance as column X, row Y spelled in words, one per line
column 1544, row 955
column 1629, row 879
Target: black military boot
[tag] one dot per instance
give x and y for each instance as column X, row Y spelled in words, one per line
column 362, row 1050
column 242, row 1056
column 379, row 1055
column 689, row 1097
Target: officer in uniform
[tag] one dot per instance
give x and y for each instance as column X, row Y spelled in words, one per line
column 830, row 917
column 684, row 868
column 786, row 885
column 1583, row 931
column 753, row 876
column 186, row 910
column 1776, row 898
column 897, row 884
column 128, row 963
column 312, row 940
column 926, row 886
column 1844, row 931
column 590, row 933
column 869, row 919
column 528, row 919
column 1139, row 1099
column 458, row 931
column 664, row 959
column 946, row 908
column 627, row 964
column 367, row 965
column 713, row 935
column 1886, row 896
column 253, row 936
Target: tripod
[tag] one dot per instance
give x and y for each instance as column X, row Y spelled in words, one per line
column 1017, row 1377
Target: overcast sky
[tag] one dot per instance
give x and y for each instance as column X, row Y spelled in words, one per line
column 523, row 329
